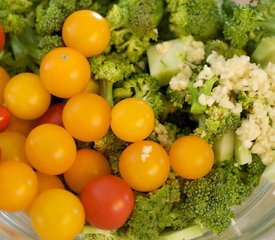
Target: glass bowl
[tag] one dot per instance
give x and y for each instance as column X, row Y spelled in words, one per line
column 255, row 220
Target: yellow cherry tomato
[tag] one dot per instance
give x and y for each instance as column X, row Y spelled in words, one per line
column 18, row 185
column 144, row 165
column 65, row 72
column 12, row 146
column 132, row 119
column 57, row 214
column 4, row 77
column 87, row 117
column 86, row 31
column 46, row 181
column 26, row 97
column 88, row 164
column 50, row 149
column 191, row 157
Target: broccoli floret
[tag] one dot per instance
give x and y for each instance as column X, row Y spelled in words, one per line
column 215, row 122
column 250, row 22
column 47, row 43
column 200, row 18
column 195, row 92
column 189, row 95
column 245, row 100
column 208, row 200
column 133, row 25
column 111, row 147
column 153, row 212
column 108, row 69
column 92, row 233
column 165, row 134
column 51, row 14
column 144, row 86
column 222, row 48
column 17, row 15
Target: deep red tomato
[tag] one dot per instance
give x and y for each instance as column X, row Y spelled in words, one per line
column 2, row 38
column 5, row 118
column 108, row 201
column 52, row 115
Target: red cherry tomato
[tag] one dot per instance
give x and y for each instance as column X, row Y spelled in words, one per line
column 52, row 115
column 5, row 118
column 2, row 38
column 108, row 201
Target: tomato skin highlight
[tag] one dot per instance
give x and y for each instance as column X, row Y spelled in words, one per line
column 133, row 119
column 144, row 165
column 89, row 163
column 87, row 31
column 2, row 38
column 108, row 202
column 18, row 185
column 191, row 157
column 52, row 115
column 65, row 72
column 5, row 118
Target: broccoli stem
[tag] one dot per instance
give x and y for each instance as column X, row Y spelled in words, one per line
column 106, row 91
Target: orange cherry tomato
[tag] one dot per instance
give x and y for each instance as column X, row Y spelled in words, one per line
column 20, row 125
column 65, row 72
column 88, row 164
column 191, row 157
column 18, row 185
column 144, row 165
column 46, row 181
column 86, row 31
column 87, row 116
column 50, row 149
column 4, row 77
column 132, row 119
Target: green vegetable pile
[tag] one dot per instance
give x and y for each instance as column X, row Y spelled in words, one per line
column 178, row 56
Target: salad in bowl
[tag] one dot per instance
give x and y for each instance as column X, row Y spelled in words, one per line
column 137, row 120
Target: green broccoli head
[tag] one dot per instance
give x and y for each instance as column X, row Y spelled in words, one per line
column 199, row 18
column 222, row 48
column 133, row 25
column 215, row 122
column 108, row 69
column 142, row 85
column 51, row 14
column 17, row 15
column 153, row 212
column 249, row 23
column 208, row 200
column 111, row 147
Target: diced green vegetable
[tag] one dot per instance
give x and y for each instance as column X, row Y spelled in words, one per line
column 224, row 147
column 242, row 154
column 187, row 233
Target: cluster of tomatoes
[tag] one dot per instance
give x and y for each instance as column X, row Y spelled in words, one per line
column 38, row 141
